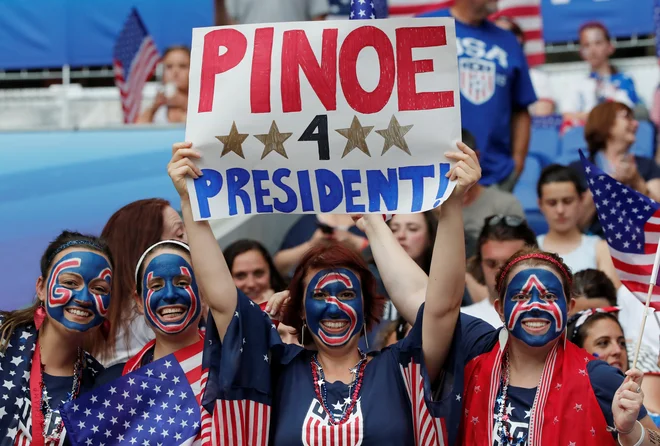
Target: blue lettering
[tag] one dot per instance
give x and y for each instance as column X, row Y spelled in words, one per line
column 330, row 190
column 444, row 182
column 237, row 178
column 292, row 201
column 378, row 186
column 207, row 186
column 351, row 177
column 305, row 191
column 259, row 192
column 416, row 175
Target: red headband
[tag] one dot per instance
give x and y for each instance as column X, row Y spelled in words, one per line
column 535, row 255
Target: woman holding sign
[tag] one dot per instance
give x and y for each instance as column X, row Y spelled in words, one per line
column 261, row 391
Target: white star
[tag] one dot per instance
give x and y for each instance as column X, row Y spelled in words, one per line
column 132, row 411
column 458, row 397
column 170, row 420
column 571, row 443
column 321, row 382
column 593, row 432
column 170, row 392
column 25, row 335
column 138, row 398
column 626, row 244
column 183, row 395
column 158, row 418
column 120, row 407
column 145, row 415
column 582, row 372
column 477, row 389
column 127, row 424
column 587, row 169
column 113, row 390
column 578, row 407
column 120, row 437
column 195, row 424
column 347, row 401
column 528, row 413
column 509, row 409
column 113, row 420
column 168, row 364
column 163, row 377
column 164, row 433
column 183, row 423
column 361, row 13
column 100, row 416
column 157, row 389
column 558, row 386
column 95, row 429
column 163, row 405
column 236, row 314
column 131, row 381
column 149, row 373
column 152, row 430
column 556, row 420
column 177, row 408
column 475, row 420
column 177, row 436
column 81, row 425
column 266, row 358
column 125, row 394
column 107, row 433
column 106, row 403
column 139, row 428
column 145, row 443
column 337, row 406
column 144, row 385
column 16, row 360
column 175, row 380
column 88, row 442
column 133, row 441
column 88, row 412
column 74, row 407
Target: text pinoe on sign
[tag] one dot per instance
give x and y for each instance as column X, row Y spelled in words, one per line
column 336, row 116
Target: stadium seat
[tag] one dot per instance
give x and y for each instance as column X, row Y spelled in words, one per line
column 571, row 142
column 544, row 143
column 525, row 192
column 645, row 142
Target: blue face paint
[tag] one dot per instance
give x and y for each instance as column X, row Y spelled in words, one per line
column 333, row 306
column 535, row 307
column 169, row 293
column 79, row 283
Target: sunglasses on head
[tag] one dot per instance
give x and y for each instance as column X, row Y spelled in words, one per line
column 512, row 221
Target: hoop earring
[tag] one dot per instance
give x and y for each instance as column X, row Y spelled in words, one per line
column 366, row 340
column 302, row 335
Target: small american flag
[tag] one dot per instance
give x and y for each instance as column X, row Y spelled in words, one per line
column 154, row 405
column 368, row 9
column 134, row 60
column 631, row 222
column 526, row 14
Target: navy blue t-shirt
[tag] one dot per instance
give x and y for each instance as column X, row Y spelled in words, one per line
column 252, row 363
column 480, row 337
column 494, row 82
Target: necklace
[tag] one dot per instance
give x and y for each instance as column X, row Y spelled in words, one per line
column 502, row 416
column 45, row 404
column 353, row 388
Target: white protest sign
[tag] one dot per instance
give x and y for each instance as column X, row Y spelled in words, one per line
column 323, row 117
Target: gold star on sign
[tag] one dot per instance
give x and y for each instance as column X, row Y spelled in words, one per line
column 394, row 136
column 233, row 142
column 357, row 137
column 273, row 140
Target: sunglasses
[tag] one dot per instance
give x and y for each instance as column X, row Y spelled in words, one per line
column 512, row 221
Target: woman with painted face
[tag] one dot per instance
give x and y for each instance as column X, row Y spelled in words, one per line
column 329, row 391
column 41, row 356
column 167, row 294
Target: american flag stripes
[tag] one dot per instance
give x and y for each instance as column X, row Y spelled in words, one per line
column 526, row 14
column 152, row 406
column 631, row 222
column 135, row 59
column 240, row 423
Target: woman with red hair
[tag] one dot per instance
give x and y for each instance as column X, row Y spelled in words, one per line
column 261, row 391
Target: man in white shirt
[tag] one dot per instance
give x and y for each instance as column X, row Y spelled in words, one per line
column 501, row 237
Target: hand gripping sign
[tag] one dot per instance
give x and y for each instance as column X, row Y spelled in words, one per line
column 323, row 117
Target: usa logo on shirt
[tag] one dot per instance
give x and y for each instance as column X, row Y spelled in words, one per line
column 318, row 431
column 476, row 79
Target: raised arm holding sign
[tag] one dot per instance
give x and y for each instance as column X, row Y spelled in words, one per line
column 333, row 117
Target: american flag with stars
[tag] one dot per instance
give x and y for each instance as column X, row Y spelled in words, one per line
column 151, row 406
column 631, row 222
column 135, row 59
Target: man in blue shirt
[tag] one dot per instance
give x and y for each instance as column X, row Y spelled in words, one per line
column 495, row 90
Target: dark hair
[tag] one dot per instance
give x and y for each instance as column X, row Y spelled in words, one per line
column 331, row 256
column 173, row 48
column 156, row 250
column 469, row 139
column 594, row 25
column 129, row 232
column 431, row 222
column 515, row 29
column 593, row 283
column 578, row 336
column 66, row 240
column 500, row 232
column 599, row 123
column 242, row 246
column 549, row 259
column 556, row 173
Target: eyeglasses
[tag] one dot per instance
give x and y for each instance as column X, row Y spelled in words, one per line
column 512, row 221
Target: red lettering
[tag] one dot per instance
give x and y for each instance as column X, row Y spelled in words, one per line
column 407, row 68
column 261, row 68
column 297, row 53
column 358, row 99
column 213, row 64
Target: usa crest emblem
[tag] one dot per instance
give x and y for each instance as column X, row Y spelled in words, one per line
column 476, row 79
